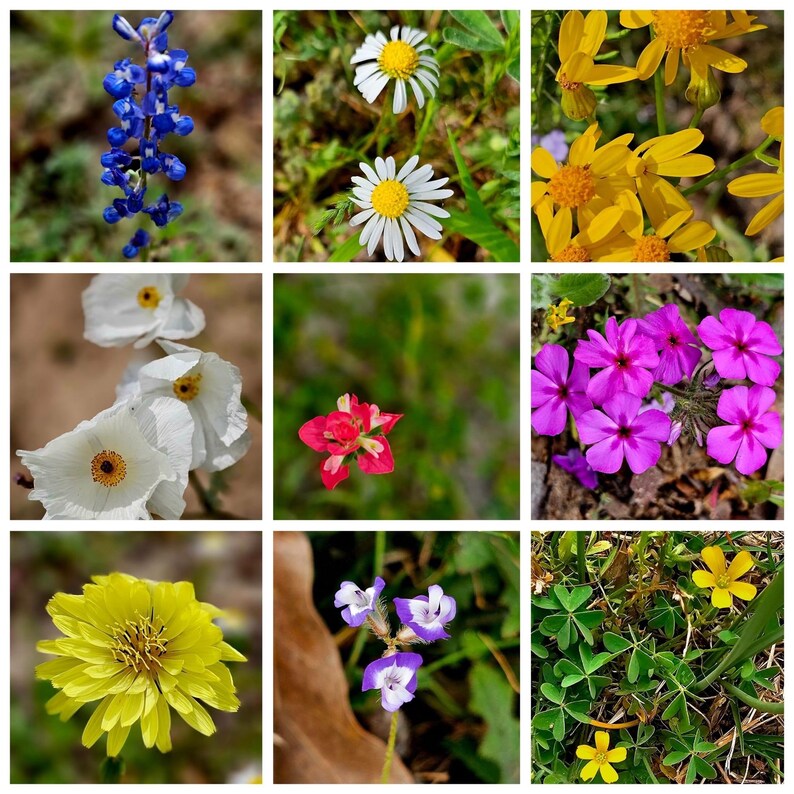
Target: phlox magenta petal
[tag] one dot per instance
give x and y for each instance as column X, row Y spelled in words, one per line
column 555, row 391
column 678, row 349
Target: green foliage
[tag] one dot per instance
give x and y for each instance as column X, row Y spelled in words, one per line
column 574, row 617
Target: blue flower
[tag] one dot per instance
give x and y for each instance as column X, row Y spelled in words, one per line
column 132, row 120
column 115, row 157
column 115, row 178
column 164, row 211
column 137, row 241
column 173, row 167
column 178, row 73
column 119, row 83
column 149, row 159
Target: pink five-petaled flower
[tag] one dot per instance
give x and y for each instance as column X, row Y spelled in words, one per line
column 624, row 358
column 677, row 345
column 427, row 615
column 751, row 427
column 621, row 430
column 357, row 603
column 741, row 345
column 395, row 676
column 554, row 391
column 357, row 431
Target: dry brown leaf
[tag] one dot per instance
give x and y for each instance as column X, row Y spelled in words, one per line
column 319, row 739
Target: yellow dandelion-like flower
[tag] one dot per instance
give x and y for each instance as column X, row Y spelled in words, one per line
column 724, row 580
column 600, row 758
column 580, row 40
column 761, row 185
column 137, row 647
column 686, row 34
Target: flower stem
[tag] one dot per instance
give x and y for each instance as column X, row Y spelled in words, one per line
column 581, row 567
column 111, row 769
column 696, row 119
column 203, row 495
column 384, row 777
column 729, row 168
column 671, row 389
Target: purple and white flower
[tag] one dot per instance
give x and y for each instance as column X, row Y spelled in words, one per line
column 358, row 603
column 395, row 676
column 427, row 615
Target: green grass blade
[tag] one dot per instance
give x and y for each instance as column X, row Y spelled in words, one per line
column 348, row 250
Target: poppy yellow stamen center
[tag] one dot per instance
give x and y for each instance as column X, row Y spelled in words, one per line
column 723, row 581
column 149, row 298
column 108, row 468
column 600, row 758
column 139, row 644
column 682, row 29
column 390, row 198
column 572, row 253
column 650, row 249
column 187, row 387
column 572, row 186
column 398, row 60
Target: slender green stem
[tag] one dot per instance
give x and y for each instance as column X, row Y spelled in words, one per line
column 202, row 494
column 671, row 389
column 380, row 551
column 658, row 89
column 384, row 777
column 696, row 119
column 729, row 168
column 111, row 769
column 766, row 706
column 581, row 568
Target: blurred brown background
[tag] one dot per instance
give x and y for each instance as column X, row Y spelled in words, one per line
column 58, row 379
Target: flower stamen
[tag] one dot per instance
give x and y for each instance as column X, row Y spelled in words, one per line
column 398, row 60
column 390, row 198
column 186, row 388
column 108, row 468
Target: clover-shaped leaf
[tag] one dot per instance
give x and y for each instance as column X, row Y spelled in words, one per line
column 575, row 618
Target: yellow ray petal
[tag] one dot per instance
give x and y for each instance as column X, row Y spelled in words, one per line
column 688, row 165
column 608, row 773
column 603, row 74
column 585, row 752
column 721, row 598
column 672, row 223
column 570, row 34
column 743, row 590
column 559, row 233
column 707, row 55
column 590, row 770
column 772, row 122
column 704, row 579
column 670, row 147
column 609, row 160
column 577, row 66
column 635, row 19
column 715, row 559
column 595, row 27
column 756, row 185
column 649, row 60
column 543, row 163
column 617, row 755
column 691, row 236
column 600, row 226
column 766, row 215
column 538, row 192
column 602, row 741
column 740, row 564
column 671, row 66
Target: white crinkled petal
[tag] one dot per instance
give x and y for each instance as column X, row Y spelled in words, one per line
column 184, row 321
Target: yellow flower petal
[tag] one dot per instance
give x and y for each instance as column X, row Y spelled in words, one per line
column 543, row 163
column 765, row 216
column 672, row 223
column 600, row 227
column 608, row 773
column 590, row 770
column 740, row 564
column 617, row 755
column 772, row 122
column 631, row 221
column 715, row 559
column 756, row 185
column 570, row 34
column 671, row 66
column 581, row 150
column 595, row 27
column 743, row 590
column 670, row 147
column 586, row 752
column 559, row 234
column 576, row 67
column 649, row 60
column 721, row 598
column 604, row 74
column 704, row 579
column 688, row 165
column 602, row 741
column 635, row 19
column 691, row 236
column 538, row 192
column 609, row 160
column 707, row 55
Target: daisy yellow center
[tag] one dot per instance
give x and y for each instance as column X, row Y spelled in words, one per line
column 572, row 253
column 572, row 186
column 398, row 59
column 139, row 644
column 390, row 198
column 682, row 29
column 149, row 298
column 187, row 387
column 108, row 468
column 600, row 758
column 650, row 248
column 723, row 581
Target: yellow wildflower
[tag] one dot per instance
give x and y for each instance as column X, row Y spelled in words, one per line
column 600, row 758
column 558, row 315
column 724, row 581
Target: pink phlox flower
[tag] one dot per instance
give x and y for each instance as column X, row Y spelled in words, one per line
column 619, row 431
column 356, row 431
column 741, row 346
column 575, row 463
column 625, row 358
column 677, row 346
column 751, row 428
column 555, row 391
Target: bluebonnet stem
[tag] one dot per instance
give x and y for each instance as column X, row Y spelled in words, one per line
column 145, row 116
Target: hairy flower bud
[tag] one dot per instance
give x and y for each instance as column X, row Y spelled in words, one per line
column 578, row 102
column 703, row 92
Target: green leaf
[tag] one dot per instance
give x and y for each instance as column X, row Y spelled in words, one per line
column 678, row 704
column 633, row 669
column 582, row 289
column 510, row 20
column 614, row 643
column 578, row 710
column 514, row 69
column 703, row 768
column 479, row 23
column 570, row 680
column 675, row 758
column 485, row 234
column 538, row 649
column 566, row 667
column 575, row 598
column 347, row 251
column 545, row 720
column 467, row 41
column 590, row 618
column 551, row 624
column 550, row 692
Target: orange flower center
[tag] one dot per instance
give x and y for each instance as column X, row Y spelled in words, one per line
column 572, row 186
column 572, row 253
column 650, row 248
column 682, row 29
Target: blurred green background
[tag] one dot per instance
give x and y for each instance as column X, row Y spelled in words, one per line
column 323, row 128
column 441, row 349
column 226, row 569
column 464, row 721
column 60, row 114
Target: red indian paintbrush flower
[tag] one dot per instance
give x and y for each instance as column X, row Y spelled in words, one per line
column 357, row 431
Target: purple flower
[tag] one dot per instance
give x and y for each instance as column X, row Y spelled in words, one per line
column 751, row 427
column 741, row 345
column 575, row 463
column 666, row 404
column 554, row 392
column 676, row 343
column 427, row 615
column 621, row 430
column 358, row 603
column 554, row 143
column 624, row 359
column 395, row 676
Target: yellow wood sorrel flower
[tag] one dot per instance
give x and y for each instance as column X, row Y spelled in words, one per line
column 580, row 40
column 759, row 185
column 724, row 581
column 687, row 34
column 600, row 758
column 138, row 647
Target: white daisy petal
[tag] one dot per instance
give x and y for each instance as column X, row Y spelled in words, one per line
column 426, row 60
column 400, row 98
column 369, row 173
column 420, row 97
column 381, row 39
column 374, row 237
column 363, row 72
column 432, row 194
column 361, row 182
column 407, row 168
column 365, row 194
column 421, row 174
column 365, row 205
column 391, row 168
column 428, row 81
column 369, row 228
column 360, row 217
column 397, row 240
column 430, row 209
column 410, row 237
column 422, row 225
column 394, row 32
column 387, row 239
column 380, row 167
column 429, row 185
column 424, row 48
column 374, row 86
column 431, row 222
column 416, row 37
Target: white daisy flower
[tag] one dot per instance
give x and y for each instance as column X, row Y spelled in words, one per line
column 124, row 308
column 392, row 202
column 400, row 59
column 128, row 462
column 210, row 388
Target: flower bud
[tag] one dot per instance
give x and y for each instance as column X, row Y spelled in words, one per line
column 578, row 101
column 406, row 636
column 703, row 92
